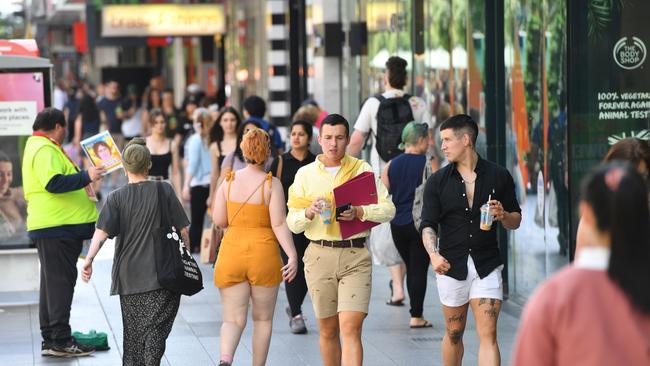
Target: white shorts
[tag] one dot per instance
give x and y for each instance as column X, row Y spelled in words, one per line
column 455, row 293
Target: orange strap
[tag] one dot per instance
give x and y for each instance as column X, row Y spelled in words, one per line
column 269, row 178
column 247, row 199
column 229, row 178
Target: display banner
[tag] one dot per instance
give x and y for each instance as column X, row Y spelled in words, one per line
column 608, row 80
column 21, row 96
column 162, row 20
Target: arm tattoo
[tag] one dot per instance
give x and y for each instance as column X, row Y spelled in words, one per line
column 429, row 240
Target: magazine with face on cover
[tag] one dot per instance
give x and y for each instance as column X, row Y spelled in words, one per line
column 101, row 150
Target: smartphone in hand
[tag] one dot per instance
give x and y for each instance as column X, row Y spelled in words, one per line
column 341, row 209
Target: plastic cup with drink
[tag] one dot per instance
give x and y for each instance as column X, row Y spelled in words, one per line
column 326, row 211
column 486, row 216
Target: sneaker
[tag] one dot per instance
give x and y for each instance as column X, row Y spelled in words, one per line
column 224, row 363
column 70, row 349
column 297, row 325
column 46, row 348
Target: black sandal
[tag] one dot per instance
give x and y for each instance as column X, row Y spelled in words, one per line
column 390, row 301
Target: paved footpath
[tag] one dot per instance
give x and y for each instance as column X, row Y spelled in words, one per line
column 194, row 339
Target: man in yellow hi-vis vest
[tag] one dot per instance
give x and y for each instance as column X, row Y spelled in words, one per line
column 61, row 213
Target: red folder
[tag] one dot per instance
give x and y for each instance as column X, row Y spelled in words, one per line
column 358, row 191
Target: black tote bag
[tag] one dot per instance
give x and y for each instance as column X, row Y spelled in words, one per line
column 177, row 269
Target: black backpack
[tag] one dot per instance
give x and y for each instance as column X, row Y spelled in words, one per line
column 393, row 115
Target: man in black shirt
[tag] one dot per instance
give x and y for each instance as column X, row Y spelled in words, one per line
column 113, row 111
column 467, row 261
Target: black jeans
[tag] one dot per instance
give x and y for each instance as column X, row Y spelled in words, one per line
column 297, row 289
column 409, row 245
column 198, row 207
column 58, row 257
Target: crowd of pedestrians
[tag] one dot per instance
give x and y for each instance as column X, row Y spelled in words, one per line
column 439, row 199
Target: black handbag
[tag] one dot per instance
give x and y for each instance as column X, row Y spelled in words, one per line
column 177, row 269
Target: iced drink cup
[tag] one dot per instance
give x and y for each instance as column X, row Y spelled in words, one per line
column 486, row 218
column 326, row 212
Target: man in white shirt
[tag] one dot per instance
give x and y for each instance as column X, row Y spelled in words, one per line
column 60, row 94
column 395, row 78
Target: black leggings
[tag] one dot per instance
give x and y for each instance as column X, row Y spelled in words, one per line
column 297, row 289
column 409, row 245
column 198, row 207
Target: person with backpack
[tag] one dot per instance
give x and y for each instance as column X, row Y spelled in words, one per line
column 254, row 110
column 382, row 119
column 402, row 176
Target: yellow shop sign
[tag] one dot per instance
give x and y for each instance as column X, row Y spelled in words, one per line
column 162, row 20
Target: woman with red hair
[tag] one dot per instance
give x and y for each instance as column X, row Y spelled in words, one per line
column 251, row 205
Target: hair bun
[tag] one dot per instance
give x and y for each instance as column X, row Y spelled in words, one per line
column 255, row 146
column 136, row 141
column 136, row 156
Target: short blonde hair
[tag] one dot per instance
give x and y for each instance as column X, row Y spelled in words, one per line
column 307, row 113
column 255, row 146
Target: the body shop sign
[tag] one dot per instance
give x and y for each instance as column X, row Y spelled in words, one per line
column 162, row 20
column 608, row 80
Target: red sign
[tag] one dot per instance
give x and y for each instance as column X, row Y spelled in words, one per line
column 241, row 31
column 79, row 36
column 157, row 41
column 212, row 80
column 19, row 47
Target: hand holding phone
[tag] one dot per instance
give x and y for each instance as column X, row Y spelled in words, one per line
column 341, row 209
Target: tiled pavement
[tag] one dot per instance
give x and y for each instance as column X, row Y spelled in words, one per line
column 194, row 339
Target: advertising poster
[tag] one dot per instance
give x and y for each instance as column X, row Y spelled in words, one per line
column 609, row 80
column 102, row 151
column 21, row 97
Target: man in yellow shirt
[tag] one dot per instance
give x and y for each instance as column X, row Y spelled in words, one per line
column 61, row 213
column 338, row 272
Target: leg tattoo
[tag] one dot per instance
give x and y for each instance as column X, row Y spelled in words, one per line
column 456, row 318
column 492, row 311
column 455, row 336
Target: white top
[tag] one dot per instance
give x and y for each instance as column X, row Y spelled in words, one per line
column 132, row 127
column 595, row 258
column 333, row 170
column 60, row 98
column 367, row 121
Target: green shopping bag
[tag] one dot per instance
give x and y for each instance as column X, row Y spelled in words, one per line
column 92, row 338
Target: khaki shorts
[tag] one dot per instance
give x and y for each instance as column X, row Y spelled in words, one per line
column 339, row 279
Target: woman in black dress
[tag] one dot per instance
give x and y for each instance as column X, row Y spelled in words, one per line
column 165, row 162
column 285, row 168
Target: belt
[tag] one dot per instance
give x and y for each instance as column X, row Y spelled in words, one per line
column 351, row 243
